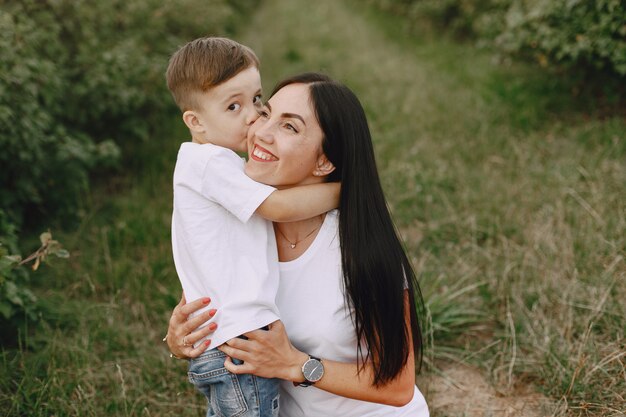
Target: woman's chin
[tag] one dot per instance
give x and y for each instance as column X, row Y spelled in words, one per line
column 256, row 171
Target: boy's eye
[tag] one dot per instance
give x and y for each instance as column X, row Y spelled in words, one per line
column 257, row 100
column 234, row 107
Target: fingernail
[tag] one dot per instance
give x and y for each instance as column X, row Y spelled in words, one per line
column 212, row 326
column 212, row 312
column 207, row 342
column 206, row 300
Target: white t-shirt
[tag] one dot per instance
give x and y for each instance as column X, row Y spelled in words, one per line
column 312, row 307
column 220, row 249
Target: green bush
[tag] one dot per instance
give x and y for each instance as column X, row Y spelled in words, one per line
column 581, row 35
column 572, row 36
column 77, row 80
column 17, row 301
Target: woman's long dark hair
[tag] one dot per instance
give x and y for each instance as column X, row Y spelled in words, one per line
column 376, row 269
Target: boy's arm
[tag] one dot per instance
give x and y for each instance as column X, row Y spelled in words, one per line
column 300, row 203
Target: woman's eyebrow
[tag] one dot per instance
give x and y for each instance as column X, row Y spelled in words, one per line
column 287, row 115
column 293, row 116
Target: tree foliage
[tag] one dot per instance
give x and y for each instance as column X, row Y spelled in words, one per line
column 572, row 36
column 78, row 80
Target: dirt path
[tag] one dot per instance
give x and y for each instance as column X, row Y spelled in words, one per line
column 296, row 35
column 462, row 390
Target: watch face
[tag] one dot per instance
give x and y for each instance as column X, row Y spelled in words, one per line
column 313, row 370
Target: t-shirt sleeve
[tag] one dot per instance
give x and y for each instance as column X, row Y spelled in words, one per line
column 224, row 182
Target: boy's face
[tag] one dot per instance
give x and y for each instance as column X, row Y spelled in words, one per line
column 227, row 111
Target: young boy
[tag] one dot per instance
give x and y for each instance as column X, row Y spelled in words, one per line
column 221, row 248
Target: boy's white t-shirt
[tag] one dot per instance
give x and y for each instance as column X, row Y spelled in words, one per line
column 221, row 250
column 318, row 321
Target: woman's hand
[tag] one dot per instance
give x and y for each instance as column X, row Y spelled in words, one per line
column 266, row 353
column 182, row 332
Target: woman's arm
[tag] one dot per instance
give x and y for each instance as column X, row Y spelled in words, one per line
column 270, row 354
column 182, row 332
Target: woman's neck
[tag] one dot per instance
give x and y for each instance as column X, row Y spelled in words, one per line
column 294, row 238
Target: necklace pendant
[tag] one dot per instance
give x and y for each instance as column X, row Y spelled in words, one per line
column 293, row 245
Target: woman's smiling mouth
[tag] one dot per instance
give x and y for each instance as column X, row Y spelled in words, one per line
column 261, row 154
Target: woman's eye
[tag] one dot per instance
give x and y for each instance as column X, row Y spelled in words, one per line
column 291, row 127
column 257, row 100
column 234, row 107
column 263, row 112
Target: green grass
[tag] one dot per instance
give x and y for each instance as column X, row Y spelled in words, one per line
column 509, row 195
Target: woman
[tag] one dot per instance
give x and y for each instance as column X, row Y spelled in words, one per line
column 348, row 293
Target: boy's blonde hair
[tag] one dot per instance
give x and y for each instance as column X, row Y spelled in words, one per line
column 205, row 63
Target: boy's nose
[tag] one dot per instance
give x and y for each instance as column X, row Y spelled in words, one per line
column 252, row 115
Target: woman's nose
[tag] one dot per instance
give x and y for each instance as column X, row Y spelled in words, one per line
column 265, row 133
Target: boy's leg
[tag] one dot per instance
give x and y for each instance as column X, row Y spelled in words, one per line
column 232, row 395
column 220, row 387
column 266, row 391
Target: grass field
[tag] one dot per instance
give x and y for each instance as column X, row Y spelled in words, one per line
column 509, row 195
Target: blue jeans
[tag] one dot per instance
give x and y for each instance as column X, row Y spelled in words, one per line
column 231, row 395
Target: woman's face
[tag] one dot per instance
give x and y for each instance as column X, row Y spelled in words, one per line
column 285, row 143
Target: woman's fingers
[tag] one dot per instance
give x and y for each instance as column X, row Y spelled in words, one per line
column 236, row 369
column 188, row 308
column 261, row 335
column 237, row 348
column 200, row 334
column 192, row 324
column 277, row 326
column 182, row 333
column 195, row 352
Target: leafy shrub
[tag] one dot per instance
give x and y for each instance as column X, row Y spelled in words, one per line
column 17, row 301
column 79, row 79
column 587, row 35
column 578, row 36
column 462, row 18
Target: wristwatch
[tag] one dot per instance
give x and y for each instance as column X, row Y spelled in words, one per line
column 312, row 370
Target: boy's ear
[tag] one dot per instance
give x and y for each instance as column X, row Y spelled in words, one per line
column 323, row 167
column 193, row 122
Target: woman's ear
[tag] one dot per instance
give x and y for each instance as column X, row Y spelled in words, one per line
column 193, row 122
column 323, row 167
